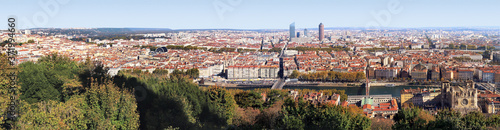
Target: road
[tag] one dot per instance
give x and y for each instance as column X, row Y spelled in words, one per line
column 486, row 86
column 281, row 82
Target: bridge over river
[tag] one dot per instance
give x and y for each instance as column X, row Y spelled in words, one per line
column 281, row 82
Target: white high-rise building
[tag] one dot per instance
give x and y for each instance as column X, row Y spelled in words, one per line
column 27, row 32
column 305, row 32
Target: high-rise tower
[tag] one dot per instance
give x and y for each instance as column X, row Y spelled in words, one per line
column 305, row 32
column 321, row 32
column 292, row 30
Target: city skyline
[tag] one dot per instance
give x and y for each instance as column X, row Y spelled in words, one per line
column 220, row 14
column 240, row 64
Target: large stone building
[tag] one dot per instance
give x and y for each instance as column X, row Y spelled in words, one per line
column 435, row 73
column 462, row 98
column 488, row 76
column 357, row 99
column 420, row 97
column 465, row 74
column 489, row 102
column 496, row 77
column 386, row 73
column 447, row 74
column 252, row 72
column 419, row 72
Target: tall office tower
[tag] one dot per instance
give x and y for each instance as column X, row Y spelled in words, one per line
column 305, row 32
column 298, row 34
column 27, row 32
column 321, row 31
column 292, row 31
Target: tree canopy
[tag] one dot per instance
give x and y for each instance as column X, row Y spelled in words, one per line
column 57, row 93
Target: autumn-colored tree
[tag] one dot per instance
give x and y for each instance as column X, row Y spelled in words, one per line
column 303, row 115
column 381, row 124
column 410, row 119
column 101, row 107
column 331, row 76
column 160, row 71
column 246, row 116
column 5, row 85
column 269, row 117
column 295, row 74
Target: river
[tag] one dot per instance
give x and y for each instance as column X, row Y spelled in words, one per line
column 374, row 90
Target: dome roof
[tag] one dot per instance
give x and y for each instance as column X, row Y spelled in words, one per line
column 420, row 67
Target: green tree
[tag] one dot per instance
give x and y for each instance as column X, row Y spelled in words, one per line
column 303, row 115
column 38, row 83
column 53, row 77
column 111, row 108
column 160, row 71
column 447, row 120
column 4, row 88
column 172, row 102
column 474, row 120
column 223, row 102
column 274, row 96
column 193, row 73
column 177, row 73
column 54, row 115
column 249, row 99
column 102, row 107
column 275, row 49
column 493, row 121
column 409, row 119
column 295, row 74
column 463, row 46
column 292, row 122
column 54, row 97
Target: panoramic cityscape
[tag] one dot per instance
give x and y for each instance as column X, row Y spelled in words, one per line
column 225, row 65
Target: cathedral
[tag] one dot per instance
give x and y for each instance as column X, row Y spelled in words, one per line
column 461, row 98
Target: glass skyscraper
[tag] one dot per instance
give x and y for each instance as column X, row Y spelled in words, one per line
column 292, row 30
column 305, row 32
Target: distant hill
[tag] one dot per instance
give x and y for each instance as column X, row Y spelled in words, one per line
column 101, row 31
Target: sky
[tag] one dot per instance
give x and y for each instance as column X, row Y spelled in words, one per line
column 249, row 14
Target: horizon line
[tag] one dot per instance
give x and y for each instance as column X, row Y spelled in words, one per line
column 365, row 28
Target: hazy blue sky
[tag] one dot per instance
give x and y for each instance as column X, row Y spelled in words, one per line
column 251, row 14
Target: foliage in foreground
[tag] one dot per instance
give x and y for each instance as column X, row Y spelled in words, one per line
column 57, row 93
column 302, row 115
column 417, row 119
column 101, row 107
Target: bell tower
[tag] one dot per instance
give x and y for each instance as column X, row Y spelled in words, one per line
column 470, row 84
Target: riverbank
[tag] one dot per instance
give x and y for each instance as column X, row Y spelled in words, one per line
column 401, row 84
column 317, row 84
